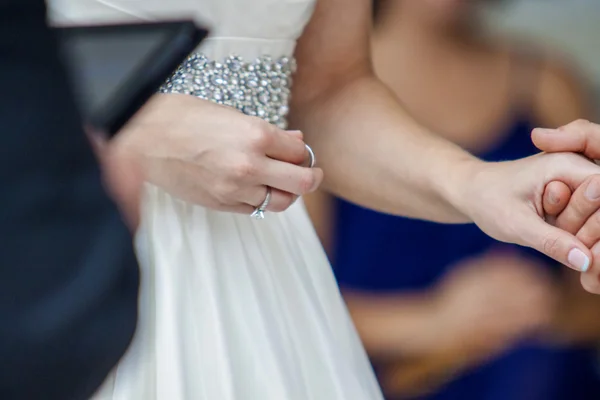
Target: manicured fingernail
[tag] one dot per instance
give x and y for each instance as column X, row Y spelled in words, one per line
column 578, row 260
column 296, row 133
column 592, row 192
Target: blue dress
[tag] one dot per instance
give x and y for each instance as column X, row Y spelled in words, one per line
column 383, row 253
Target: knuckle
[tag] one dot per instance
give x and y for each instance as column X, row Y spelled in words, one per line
column 224, row 192
column 243, row 168
column 551, row 245
column 560, row 159
column 581, row 123
column 259, row 133
column 576, row 125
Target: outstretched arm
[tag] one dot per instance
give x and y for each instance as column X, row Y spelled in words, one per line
column 375, row 154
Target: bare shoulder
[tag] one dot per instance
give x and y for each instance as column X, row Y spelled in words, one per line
column 562, row 94
column 552, row 85
column 333, row 48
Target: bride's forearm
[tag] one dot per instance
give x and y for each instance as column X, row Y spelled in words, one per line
column 373, row 153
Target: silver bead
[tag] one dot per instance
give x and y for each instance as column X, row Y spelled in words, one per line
column 264, row 98
column 238, row 94
column 259, row 88
column 217, row 95
column 218, row 80
column 283, row 111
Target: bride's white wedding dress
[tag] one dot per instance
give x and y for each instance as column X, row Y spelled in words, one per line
column 232, row 308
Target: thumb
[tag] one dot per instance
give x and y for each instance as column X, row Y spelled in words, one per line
column 579, row 137
column 556, row 243
column 555, row 141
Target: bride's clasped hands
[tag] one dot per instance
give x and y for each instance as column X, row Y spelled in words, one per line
column 211, row 155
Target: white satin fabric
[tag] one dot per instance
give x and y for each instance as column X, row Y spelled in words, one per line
column 232, row 308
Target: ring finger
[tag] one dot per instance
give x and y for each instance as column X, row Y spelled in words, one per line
column 279, row 201
column 291, row 178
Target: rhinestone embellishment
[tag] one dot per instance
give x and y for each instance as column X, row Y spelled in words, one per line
column 260, row 88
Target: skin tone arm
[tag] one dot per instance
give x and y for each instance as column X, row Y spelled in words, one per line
column 375, row 154
column 559, row 99
column 333, row 74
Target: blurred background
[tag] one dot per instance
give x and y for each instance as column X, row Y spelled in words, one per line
column 570, row 26
column 445, row 312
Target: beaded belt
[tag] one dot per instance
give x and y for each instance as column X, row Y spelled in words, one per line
column 260, row 88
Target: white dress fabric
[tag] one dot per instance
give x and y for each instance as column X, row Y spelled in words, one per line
column 232, row 308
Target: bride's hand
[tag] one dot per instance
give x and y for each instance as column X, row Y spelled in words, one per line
column 216, row 157
column 505, row 201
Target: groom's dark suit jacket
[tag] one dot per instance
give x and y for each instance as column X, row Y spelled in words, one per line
column 68, row 276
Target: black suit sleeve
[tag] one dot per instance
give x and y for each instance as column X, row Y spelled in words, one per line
column 68, row 275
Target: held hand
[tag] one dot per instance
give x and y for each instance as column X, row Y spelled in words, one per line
column 580, row 216
column 213, row 156
column 506, row 201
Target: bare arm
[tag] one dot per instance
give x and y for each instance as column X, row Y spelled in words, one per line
column 340, row 104
column 374, row 154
